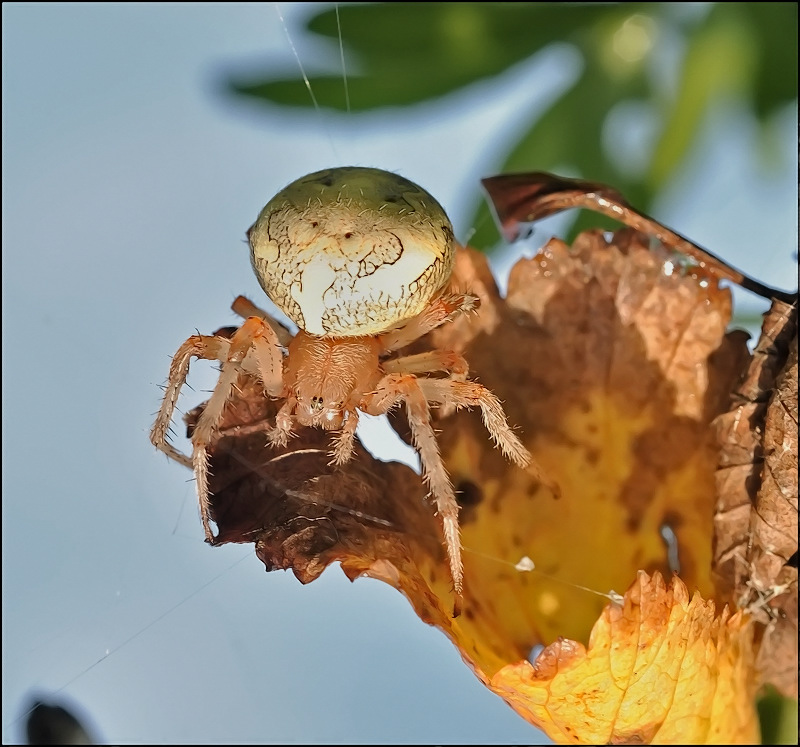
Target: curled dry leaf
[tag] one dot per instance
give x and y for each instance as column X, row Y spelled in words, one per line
column 755, row 550
column 614, row 363
column 525, row 198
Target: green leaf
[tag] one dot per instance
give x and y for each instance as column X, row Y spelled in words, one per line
column 778, row 716
column 399, row 54
column 773, row 27
column 719, row 62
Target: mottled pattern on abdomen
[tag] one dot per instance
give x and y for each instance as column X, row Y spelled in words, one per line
column 352, row 251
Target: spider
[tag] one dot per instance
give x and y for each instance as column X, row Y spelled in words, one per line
column 359, row 259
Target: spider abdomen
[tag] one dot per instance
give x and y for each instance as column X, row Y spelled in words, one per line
column 352, row 251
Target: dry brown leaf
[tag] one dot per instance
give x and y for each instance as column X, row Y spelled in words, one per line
column 614, row 364
column 525, row 198
column 755, row 553
column 303, row 514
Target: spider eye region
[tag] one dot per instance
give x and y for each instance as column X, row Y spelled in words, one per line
column 352, row 251
column 316, row 412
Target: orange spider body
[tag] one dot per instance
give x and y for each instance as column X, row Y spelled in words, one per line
column 328, row 377
column 359, row 259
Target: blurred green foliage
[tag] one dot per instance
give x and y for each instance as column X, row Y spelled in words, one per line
column 778, row 716
column 675, row 60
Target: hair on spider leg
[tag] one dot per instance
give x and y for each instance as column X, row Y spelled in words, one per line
column 259, row 426
column 171, row 430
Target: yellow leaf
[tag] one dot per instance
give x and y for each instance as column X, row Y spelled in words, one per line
column 613, row 363
column 659, row 669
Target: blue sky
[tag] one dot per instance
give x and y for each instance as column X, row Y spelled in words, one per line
column 128, row 184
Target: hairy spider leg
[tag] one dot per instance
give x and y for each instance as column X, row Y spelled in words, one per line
column 343, row 446
column 472, row 394
column 279, row 435
column 245, row 308
column 449, row 361
column 442, row 310
column 203, row 435
column 253, row 348
column 197, row 346
column 254, row 341
column 395, row 388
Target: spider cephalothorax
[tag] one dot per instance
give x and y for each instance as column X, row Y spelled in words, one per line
column 359, row 259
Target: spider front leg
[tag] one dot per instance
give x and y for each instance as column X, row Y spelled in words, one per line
column 279, row 435
column 245, row 308
column 253, row 348
column 197, row 346
column 394, row 388
column 458, row 394
column 472, row 394
column 254, row 344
